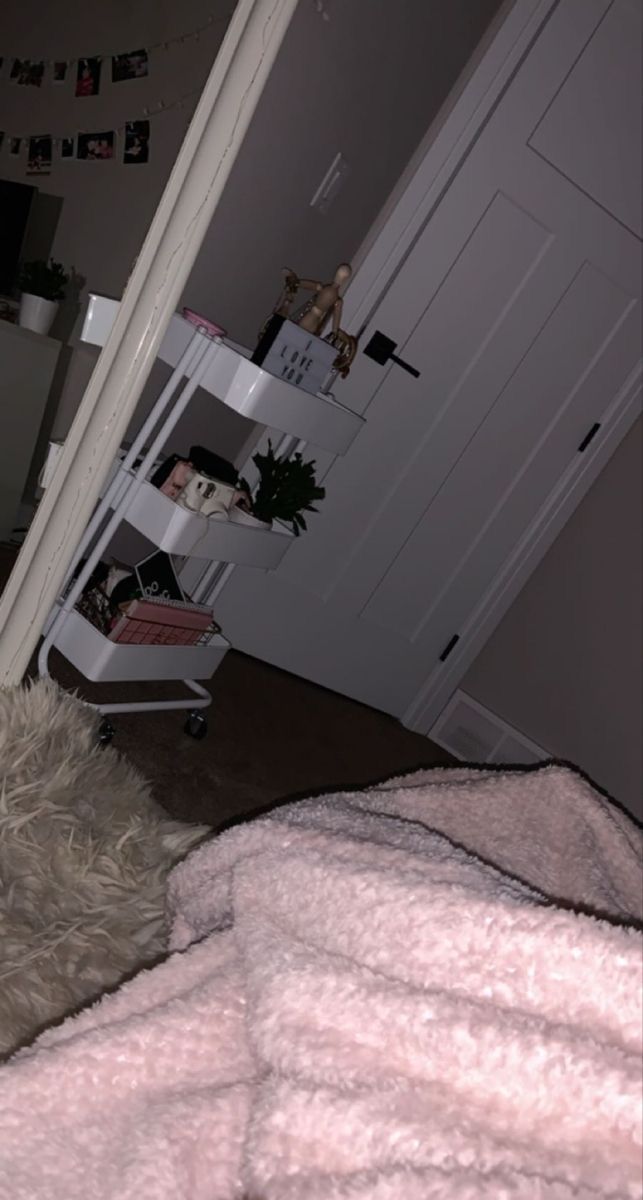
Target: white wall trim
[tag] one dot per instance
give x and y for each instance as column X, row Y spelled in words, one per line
column 187, row 205
column 475, row 721
column 536, row 540
column 438, row 158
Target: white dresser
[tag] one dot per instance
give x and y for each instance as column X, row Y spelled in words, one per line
column 27, row 364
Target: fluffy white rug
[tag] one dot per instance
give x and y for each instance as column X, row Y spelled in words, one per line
column 84, row 855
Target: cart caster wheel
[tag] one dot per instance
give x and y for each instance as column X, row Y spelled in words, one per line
column 196, row 725
column 106, row 732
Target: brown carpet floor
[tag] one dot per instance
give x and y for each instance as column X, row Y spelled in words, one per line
column 272, row 736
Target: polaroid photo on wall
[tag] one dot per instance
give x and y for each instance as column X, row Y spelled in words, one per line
column 59, row 72
column 67, row 147
column 96, row 146
column 26, row 73
column 88, row 77
column 39, row 160
column 129, row 66
column 137, row 142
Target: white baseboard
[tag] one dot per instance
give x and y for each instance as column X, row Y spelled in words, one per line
column 472, row 733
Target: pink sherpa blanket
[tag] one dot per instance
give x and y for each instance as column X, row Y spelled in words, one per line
column 426, row 989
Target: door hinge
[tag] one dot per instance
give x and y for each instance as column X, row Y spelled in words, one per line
column 449, row 647
column 589, row 437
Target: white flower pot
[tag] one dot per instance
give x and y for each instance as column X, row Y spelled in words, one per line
column 36, row 313
column 241, row 517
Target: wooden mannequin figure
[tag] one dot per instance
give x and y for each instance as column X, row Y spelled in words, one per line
column 325, row 303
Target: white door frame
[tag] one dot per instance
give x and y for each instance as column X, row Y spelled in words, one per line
column 189, row 200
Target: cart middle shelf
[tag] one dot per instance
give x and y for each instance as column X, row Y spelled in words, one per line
column 176, row 530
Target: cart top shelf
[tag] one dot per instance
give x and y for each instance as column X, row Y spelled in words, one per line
column 241, row 385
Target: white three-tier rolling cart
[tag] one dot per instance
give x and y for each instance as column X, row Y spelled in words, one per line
column 199, row 359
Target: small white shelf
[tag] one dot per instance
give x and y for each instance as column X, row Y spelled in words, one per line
column 241, row 385
column 178, row 531
column 103, row 661
column 256, row 394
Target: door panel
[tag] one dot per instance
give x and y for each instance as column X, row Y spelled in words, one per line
column 540, row 472
column 520, row 306
column 403, row 473
column 480, row 284
column 551, row 372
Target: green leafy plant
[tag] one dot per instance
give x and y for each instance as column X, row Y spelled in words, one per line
column 40, row 278
column 287, row 488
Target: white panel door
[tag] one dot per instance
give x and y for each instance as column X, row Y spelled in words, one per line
column 520, row 306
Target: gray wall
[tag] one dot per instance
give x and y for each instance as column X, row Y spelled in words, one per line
column 368, row 82
column 107, row 206
column 565, row 664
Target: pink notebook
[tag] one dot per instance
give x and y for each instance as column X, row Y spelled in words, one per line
column 162, row 622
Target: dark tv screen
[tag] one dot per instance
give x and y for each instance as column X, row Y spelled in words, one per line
column 15, row 203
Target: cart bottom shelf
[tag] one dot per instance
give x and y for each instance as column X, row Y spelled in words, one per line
column 102, row 661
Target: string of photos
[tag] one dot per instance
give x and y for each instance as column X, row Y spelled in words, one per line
column 94, row 145
column 126, row 65
column 86, row 73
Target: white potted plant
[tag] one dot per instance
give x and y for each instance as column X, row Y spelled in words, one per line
column 287, row 487
column 43, row 286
